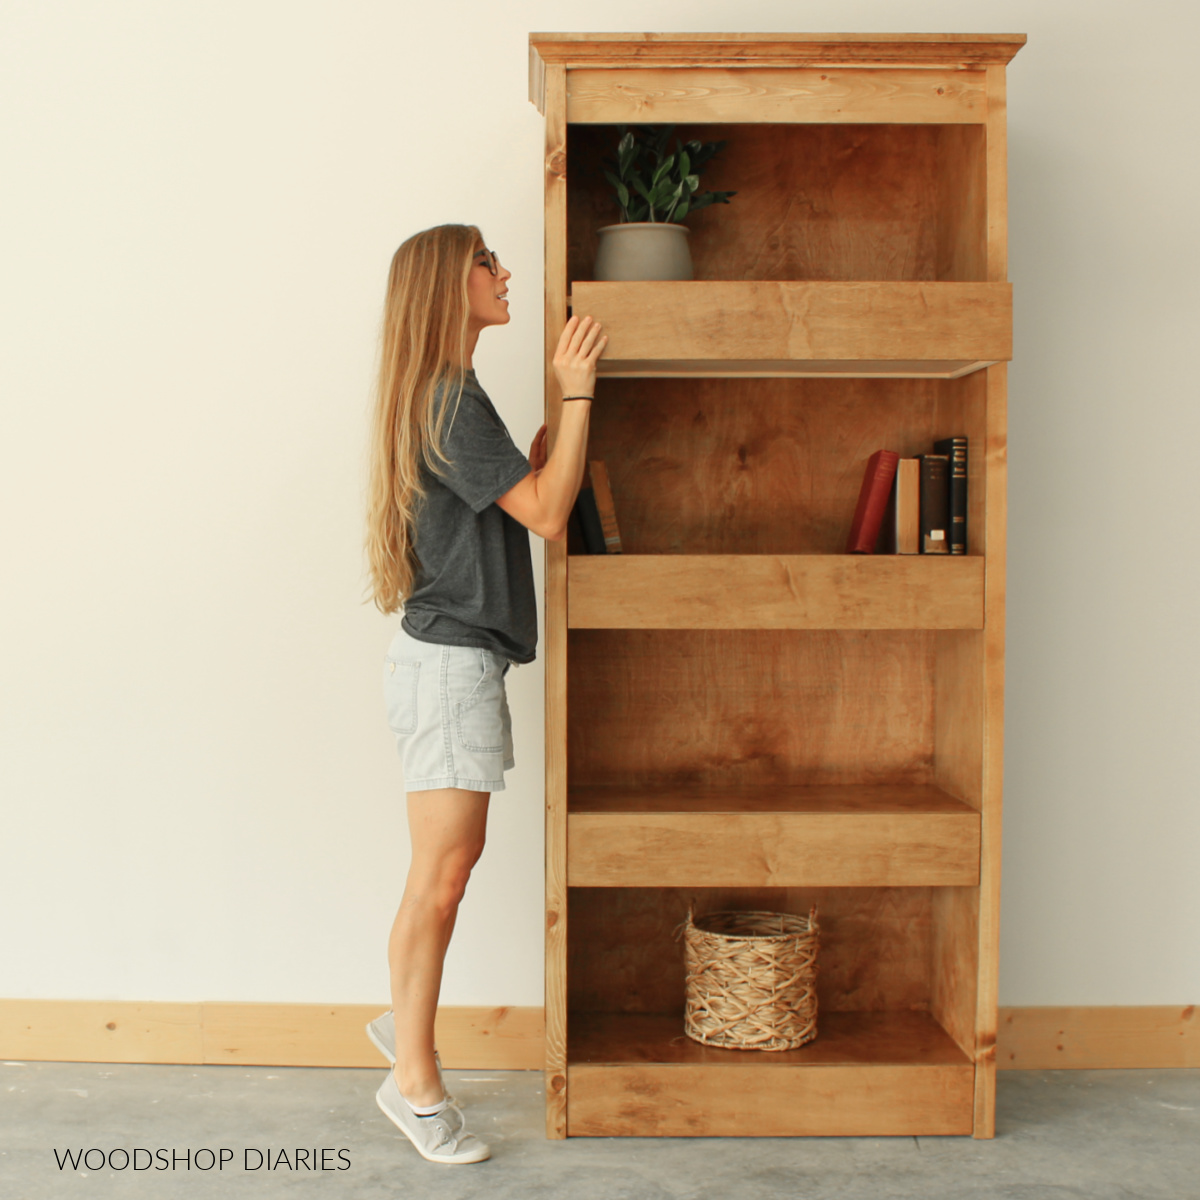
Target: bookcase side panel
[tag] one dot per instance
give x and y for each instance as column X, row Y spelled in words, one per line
column 997, row 175
column 993, row 749
column 554, row 83
column 962, row 203
column 955, row 970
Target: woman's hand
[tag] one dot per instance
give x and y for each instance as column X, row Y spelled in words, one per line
column 580, row 346
column 537, row 452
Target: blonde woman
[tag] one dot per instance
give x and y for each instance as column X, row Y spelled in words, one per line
column 451, row 502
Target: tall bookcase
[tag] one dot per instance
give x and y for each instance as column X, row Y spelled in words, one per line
column 740, row 715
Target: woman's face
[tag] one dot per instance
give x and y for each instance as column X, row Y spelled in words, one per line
column 486, row 292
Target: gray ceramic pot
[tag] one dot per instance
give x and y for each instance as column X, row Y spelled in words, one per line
column 643, row 250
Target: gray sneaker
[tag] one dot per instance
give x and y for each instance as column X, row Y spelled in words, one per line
column 442, row 1138
column 382, row 1032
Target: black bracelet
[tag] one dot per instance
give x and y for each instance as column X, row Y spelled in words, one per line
column 566, row 398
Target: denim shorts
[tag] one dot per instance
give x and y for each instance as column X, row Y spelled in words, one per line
column 448, row 711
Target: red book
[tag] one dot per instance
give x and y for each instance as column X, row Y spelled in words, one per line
column 872, row 500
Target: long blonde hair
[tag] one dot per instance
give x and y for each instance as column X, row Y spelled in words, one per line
column 423, row 343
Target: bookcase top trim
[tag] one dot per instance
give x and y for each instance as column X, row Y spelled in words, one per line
column 687, row 49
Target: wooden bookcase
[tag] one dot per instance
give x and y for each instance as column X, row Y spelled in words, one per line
column 738, row 713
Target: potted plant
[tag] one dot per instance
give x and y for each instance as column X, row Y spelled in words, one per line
column 655, row 188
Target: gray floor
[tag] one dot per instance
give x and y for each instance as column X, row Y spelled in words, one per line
column 1101, row 1135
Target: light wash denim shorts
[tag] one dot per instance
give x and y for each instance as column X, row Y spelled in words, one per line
column 447, row 708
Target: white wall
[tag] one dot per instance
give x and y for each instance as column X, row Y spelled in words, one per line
column 201, row 800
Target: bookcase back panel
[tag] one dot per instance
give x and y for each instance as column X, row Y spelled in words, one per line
column 815, row 202
column 749, row 707
column 762, row 466
column 875, row 950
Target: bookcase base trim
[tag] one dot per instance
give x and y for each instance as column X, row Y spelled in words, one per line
column 509, row 1038
column 785, row 1101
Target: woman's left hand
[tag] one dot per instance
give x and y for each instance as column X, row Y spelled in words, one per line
column 537, row 452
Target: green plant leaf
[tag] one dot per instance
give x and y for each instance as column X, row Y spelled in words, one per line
column 685, row 163
column 662, row 169
column 660, row 197
column 681, row 211
column 621, row 190
column 626, row 153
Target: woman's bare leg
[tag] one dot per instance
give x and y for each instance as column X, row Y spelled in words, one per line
column 447, row 826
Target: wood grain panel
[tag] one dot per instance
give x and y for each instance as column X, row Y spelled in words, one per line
column 774, row 592
column 626, row 955
column 884, row 50
column 773, row 849
column 862, row 800
column 101, row 1031
column 759, row 320
column 883, row 1038
column 961, row 203
column 814, row 202
column 751, row 707
column 768, row 466
column 285, row 1035
column 784, row 368
column 993, row 746
column 554, row 85
column 643, row 96
column 955, row 963
column 997, row 175
column 500, row 1037
column 702, row 1101
column 1091, row 1038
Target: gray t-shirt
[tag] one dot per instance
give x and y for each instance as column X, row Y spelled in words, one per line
column 474, row 582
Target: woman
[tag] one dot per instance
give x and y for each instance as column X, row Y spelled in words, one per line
column 451, row 501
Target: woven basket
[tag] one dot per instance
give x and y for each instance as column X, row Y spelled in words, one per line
column 751, row 979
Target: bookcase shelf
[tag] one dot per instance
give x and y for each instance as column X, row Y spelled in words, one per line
column 803, row 330
column 771, row 836
column 739, row 715
column 774, row 591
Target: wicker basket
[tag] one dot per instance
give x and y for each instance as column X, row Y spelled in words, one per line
column 751, row 979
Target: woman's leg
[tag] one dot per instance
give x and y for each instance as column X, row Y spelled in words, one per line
column 447, row 826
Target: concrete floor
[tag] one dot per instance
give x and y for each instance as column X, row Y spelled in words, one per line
column 1100, row 1135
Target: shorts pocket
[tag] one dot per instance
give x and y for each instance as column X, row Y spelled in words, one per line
column 400, row 694
column 479, row 716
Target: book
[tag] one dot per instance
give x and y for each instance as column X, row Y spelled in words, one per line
column 902, row 521
column 604, row 503
column 955, row 448
column 935, row 503
column 872, row 500
column 589, row 518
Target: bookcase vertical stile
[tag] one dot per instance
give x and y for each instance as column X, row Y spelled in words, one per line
column 739, row 715
column 553, row 105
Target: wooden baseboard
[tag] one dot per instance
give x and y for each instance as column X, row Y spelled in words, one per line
column 276, row 1035
column 509, row 1038
column 1050, row 1039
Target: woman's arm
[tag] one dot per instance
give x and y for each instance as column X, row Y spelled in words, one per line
column 543, row 500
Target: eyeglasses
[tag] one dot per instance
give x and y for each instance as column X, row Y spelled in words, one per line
column 491, row 260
